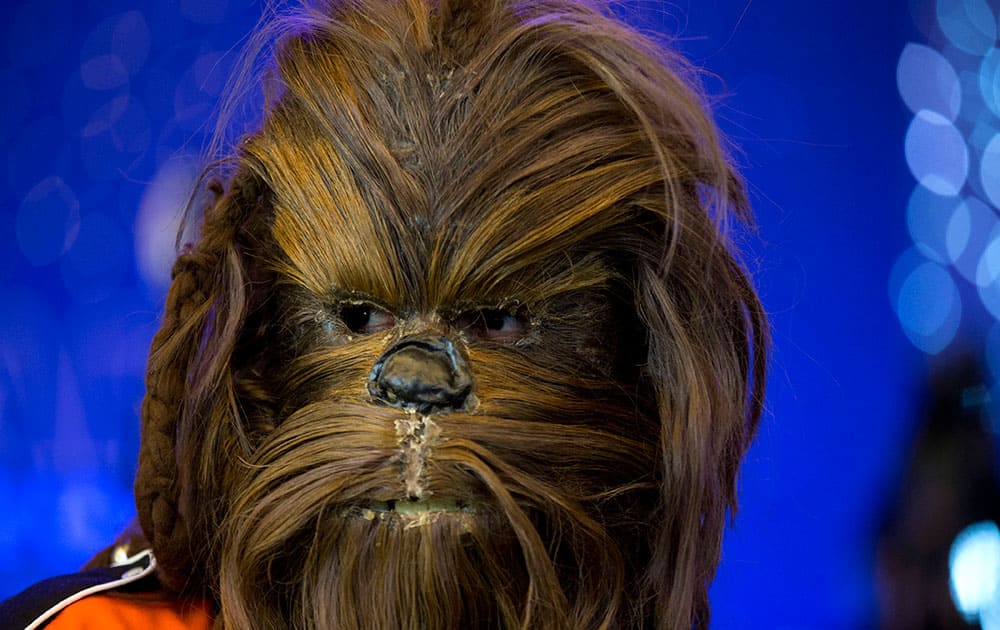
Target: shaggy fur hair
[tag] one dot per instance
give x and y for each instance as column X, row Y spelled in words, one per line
column 536, row 188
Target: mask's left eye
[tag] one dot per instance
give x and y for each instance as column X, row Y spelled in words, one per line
column 364, row 318
column 494, row 324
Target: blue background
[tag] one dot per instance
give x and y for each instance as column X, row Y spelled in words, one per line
column 102, row 119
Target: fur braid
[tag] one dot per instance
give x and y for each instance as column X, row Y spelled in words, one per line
column 156, row 480
column 176, row 350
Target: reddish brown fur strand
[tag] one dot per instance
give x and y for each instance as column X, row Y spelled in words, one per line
column 433, row 159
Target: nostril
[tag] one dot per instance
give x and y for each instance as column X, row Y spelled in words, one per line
column 423, row 375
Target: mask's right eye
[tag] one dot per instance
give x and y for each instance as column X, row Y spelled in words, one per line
column 364, row 318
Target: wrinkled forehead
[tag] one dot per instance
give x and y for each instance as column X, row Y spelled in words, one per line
column 425, row 183
column 400, row 243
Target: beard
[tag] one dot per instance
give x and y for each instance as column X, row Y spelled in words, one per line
column 353, row 516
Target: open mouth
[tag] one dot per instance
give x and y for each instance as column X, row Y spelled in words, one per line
column 416, row 508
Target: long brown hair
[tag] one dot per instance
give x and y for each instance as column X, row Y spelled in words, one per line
column 437, row 163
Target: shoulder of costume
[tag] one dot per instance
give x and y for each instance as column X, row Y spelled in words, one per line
column 37, row 605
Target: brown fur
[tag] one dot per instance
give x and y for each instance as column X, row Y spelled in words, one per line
column 438, row 161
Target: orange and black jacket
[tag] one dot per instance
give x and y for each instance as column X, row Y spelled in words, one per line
column 125, row 596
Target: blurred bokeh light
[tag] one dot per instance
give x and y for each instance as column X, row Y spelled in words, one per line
column 974, row 567
column 953, row 152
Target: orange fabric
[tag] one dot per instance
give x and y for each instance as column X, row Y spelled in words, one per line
column 116, row 612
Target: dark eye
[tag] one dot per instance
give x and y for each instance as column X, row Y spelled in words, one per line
column 494, row 324
column 365, row 319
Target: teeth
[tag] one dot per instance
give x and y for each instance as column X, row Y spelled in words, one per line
column 426, row 506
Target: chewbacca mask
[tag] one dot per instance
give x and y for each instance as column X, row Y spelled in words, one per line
column 462, row 342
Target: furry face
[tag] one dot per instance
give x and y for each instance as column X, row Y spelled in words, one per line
column 462, row 344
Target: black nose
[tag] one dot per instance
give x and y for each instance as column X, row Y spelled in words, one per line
column 425, row 374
